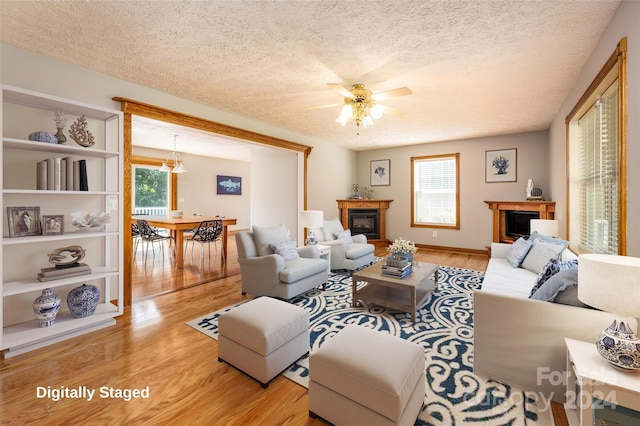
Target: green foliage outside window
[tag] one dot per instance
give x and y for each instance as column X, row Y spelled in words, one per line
column 151, row 187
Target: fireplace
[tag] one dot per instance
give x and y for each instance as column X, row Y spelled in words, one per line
column 364, row 221
column 517, row 223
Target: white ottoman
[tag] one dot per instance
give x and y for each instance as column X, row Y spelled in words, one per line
column 263, row 337
column 363, row 376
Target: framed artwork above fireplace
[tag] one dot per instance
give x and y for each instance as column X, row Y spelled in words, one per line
column 380, row 172
column 500, row 165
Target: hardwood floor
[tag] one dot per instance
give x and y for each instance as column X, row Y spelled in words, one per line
column 151, row 348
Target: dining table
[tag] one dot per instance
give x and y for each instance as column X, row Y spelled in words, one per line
column 178, row 225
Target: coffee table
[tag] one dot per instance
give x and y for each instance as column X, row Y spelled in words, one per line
column 406, row 294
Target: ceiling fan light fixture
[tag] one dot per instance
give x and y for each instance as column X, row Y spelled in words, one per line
column 375, row 111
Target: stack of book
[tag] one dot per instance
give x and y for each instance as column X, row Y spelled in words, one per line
column 62, row 174
column 396, row 272
column 57, row 273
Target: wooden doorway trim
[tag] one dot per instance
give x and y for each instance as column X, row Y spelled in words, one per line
column 131, row 107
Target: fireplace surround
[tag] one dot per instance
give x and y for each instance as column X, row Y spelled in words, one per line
column 366, row 217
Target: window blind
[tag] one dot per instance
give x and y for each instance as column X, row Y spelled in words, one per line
column 598, row 177
column 435, row 191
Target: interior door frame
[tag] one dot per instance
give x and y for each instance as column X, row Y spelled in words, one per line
column 130, row 108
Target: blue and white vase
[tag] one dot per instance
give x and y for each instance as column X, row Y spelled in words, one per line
column 618, row 345
column 46, row 307
column 82, row 301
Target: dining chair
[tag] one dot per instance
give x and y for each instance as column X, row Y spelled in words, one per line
column 149, row 236
column 135, row 235
column 209, row 231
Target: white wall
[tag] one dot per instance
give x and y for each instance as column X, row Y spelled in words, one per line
column 197, row 188
column 624, row 24
column 475, row 217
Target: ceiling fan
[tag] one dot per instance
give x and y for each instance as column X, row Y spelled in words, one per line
column 361, row 104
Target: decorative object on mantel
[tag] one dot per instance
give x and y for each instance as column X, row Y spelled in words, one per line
column 311, row 219
column 610, row 283
column 533, row 193
column 61, row 121
column 46, row 307
column 501, row 165
column 82, row 301
column 43, row 137
column 402, row 247
column 79, row 133
column 85, row 221
column 356, row 190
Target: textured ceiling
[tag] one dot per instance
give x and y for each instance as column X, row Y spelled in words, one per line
column 476, row 68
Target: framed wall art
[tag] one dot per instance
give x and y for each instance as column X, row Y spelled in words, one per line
column 23, row 221
column 53, row 224
column 228, row 185
column 380, row 172
column 501, row 165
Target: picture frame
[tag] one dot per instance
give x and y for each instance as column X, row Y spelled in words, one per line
column 23, row 221
column 380, row 171
column 53, row 224
column 228, row 185
column 501, row 165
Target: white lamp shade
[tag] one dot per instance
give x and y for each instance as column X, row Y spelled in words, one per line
column 312, row 218
column 544, row 227
column 610, row 282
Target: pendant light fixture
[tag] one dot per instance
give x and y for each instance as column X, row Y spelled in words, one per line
column 177, row 165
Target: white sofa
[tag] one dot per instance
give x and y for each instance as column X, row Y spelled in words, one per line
column 520, row 341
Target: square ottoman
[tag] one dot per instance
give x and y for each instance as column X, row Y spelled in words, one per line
column 263, row 337
column 363, row 376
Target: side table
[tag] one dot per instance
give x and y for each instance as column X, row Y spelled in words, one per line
column 597, row 393
column 325, row 253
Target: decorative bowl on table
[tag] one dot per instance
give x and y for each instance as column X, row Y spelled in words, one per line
column 88, row 222
column 176, row 213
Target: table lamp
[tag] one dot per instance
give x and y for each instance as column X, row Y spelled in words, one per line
column 612, row 283
column 544, row 227
column 311, row 219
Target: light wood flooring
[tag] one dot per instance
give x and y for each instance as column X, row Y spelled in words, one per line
column 151, row 347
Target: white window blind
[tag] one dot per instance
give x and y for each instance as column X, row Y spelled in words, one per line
column 435, row 190
column 598, row 177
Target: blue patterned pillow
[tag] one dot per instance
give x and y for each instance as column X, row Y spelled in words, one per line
column 518, row 251
column 550, row 269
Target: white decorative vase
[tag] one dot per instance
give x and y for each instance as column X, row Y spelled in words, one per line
column 46, row 307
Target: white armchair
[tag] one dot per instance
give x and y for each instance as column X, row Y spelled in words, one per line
column 348, row 252
column 272, row 265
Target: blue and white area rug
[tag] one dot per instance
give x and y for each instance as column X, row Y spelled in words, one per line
column 444, row 327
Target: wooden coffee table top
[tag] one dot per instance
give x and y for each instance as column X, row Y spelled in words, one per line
column 420, row 271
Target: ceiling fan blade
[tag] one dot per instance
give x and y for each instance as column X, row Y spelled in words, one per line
column 400, row 91
column 322, row 106
column 344, row 92
column 391, row 111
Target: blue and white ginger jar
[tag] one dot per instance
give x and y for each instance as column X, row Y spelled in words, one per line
column 46, row 307
column 83, row 300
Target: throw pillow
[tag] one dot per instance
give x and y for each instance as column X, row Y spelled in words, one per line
column 554, row 285
column 265, row 235
column 518, row 251
column 331, row 228
column 540, row 254
column 345, row 236
column 286, row 249
column 569, row 296
column 553, row 267
column 547, row 239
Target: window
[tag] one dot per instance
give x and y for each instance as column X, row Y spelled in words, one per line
column 597, row 162
column 435, row 200
column 151, row 191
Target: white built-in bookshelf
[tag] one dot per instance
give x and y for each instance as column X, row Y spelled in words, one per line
column 25, row 112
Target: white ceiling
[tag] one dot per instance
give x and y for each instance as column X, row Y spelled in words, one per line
column 476, row 68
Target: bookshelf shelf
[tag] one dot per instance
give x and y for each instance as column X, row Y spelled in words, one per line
column 24, row 112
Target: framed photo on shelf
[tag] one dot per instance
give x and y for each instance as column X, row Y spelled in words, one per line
column 23, row 221
column 228, row 185
column 380, row 172
column 501, row 165
column 53, row 224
